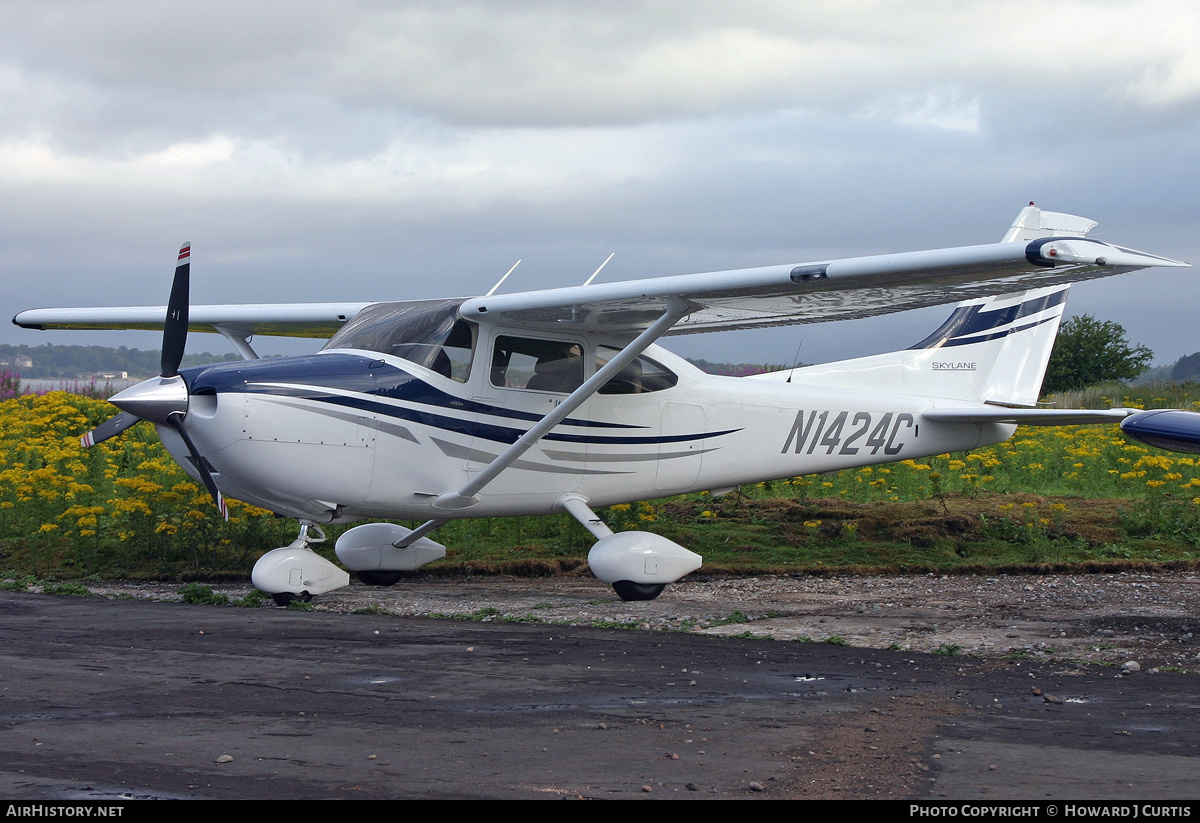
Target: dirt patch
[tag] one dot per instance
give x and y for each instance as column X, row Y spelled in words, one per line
column 1110, row 618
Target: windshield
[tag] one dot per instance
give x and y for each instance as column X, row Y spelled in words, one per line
column 426, row 332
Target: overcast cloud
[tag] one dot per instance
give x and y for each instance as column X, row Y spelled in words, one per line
column 387, row 150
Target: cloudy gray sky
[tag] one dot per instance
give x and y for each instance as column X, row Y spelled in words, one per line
column 365, row 150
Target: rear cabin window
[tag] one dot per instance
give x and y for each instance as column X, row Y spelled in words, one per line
column 642, row 375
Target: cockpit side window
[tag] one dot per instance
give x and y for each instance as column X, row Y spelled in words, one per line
column 539, row 365
column 642, row 375
column 429, row 333
column 453, row 359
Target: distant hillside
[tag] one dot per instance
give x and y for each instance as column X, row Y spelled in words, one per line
column 1157, row 374
column 1186, row 368
column 79, row 362
column 83, row 362
column 736, row 369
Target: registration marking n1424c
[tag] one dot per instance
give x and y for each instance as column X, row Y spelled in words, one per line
column 848, row 432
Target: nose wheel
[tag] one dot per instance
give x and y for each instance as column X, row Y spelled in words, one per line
column 286, row 599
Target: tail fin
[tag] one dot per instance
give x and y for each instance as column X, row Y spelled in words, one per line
column 1033, row 223
column 991, row 349
column 994, row 350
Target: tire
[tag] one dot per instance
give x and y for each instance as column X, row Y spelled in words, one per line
column 380, row 578
column 628, row 590
column 287, row 598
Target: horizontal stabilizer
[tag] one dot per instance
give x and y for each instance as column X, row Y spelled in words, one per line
column 1026, row 417
column 1174, row 429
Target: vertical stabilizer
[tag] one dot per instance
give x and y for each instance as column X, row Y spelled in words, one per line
column 1033, row 223
column 995, row 350
column 991, row 350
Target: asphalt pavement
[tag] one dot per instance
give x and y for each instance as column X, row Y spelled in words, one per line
column 109, row 699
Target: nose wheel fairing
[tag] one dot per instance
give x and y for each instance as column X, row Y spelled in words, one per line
column 295, row 571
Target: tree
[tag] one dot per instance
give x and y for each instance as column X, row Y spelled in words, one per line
column 1186, row 367
column 1090, row 351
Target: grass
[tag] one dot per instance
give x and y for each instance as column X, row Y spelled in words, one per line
column 71, row 589
column 985, row 532
column 1050, row 498
column 200, row 595
column 1161, row 395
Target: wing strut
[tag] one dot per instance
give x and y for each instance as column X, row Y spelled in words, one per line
column 502, row 279
column 417, row 533
column 588, row 282
column 239, row 339
column 465, row 497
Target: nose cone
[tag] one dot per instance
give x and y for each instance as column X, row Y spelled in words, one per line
column 155, row 399
column 1172, row 429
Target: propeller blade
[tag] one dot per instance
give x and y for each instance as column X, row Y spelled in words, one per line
column 176, row 327
column 109, row 428
column 176, row 421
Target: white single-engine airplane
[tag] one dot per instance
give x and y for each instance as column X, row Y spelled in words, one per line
column 558, row 400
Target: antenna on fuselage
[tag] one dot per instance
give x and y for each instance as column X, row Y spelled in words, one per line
column 588, row 282
column 502, row 279
column 795, row 361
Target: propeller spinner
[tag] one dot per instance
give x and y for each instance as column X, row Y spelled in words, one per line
column 164, row 399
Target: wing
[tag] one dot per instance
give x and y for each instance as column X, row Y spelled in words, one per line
column 278, row 319
column 813, row 292
column 1042, row 249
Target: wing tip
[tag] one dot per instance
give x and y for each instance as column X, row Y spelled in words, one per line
column 26, row 325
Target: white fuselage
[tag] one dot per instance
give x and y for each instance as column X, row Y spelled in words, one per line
column 344, row 435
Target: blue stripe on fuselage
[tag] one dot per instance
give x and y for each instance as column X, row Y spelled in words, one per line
column 370, row 378
column 345, row 372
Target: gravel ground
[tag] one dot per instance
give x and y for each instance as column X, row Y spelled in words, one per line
column 1152, row 619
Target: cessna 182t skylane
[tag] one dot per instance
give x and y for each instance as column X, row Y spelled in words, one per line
column 558, row 400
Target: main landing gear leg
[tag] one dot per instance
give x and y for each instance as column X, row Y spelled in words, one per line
column 295, row 572
column 639, row 565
